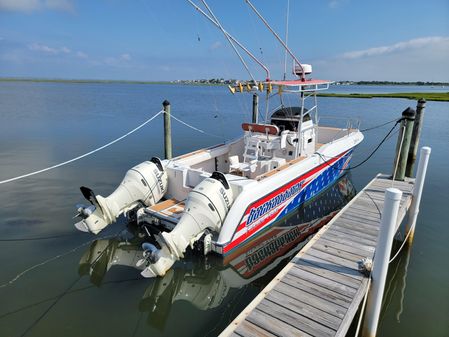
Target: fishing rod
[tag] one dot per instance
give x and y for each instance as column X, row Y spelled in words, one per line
column 229, row 40
column 277, row 37
column 233, row 39
column 286, row 38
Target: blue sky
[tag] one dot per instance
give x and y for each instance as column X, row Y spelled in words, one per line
column 168, row 40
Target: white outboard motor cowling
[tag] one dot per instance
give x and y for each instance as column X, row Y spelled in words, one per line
column 144, row 184
column 206, row 208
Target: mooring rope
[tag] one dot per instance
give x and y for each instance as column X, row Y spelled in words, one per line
column 193, row 127
column 380, row 125
column 403, row 244
column 83, row 155
column 362, row 310
column 40, row 264
column 366, row 159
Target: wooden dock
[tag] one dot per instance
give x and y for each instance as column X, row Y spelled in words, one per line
column 320, row 290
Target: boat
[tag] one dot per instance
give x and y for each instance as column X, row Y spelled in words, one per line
column 222, row 197
column 206, row 282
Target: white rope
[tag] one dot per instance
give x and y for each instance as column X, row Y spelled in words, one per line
column 362, row 311
column 83, row 155
column 402, row 246
column 194, row 128
column 43, row 263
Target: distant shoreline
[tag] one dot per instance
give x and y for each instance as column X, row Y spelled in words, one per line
column 208, row 82
column 429, row 96
column 55, row 80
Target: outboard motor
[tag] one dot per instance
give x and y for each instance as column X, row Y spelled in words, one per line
column 206, row 208
column 144, row 184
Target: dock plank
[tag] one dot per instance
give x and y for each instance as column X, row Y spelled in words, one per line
column 320, row 290
column 301, row 323
column 248, row 329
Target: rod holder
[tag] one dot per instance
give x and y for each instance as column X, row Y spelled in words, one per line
column 255, row 108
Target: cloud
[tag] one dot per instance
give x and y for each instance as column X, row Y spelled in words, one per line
column 125, row 57
column 215, row 45
column 81, row 55
column 48, row 50
column 119, row 61
column 336, row 3
column 28, row 6
column 419, row 59
column 60, row 5
column 400, row 46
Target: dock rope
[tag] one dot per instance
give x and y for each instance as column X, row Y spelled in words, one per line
column 54, row 236
column 367, row 158
column 402, row 245
column 380, row 125
column 83, row 155
column 362, row 310
column 193, row 127
column 60, row 296
column 56, row 257
column 107, row 145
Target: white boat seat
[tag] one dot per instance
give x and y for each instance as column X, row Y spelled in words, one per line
column 235, row 165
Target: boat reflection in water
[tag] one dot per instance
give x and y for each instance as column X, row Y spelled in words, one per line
column 205, row 281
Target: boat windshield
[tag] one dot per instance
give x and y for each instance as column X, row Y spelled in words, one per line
column 287, row 118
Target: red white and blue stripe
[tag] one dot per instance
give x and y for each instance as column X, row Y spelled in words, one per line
column 271, row 208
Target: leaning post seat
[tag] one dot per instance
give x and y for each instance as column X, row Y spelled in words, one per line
column 261, row 128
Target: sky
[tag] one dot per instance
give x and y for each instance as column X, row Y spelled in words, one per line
column 152, row 40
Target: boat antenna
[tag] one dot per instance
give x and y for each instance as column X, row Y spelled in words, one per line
column 233, row 39
column 277, row 37
column 286, row 38
column 229, row 40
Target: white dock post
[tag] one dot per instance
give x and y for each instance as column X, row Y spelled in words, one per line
column 381, row 259
column 417, row 192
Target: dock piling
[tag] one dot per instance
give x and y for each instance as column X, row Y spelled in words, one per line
column 381, row 260
column 167, row 130
column 255, row 108
column 417, row 192
column 403, row 144
column 416, row 134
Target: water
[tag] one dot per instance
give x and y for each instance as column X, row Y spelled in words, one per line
column 45, row 123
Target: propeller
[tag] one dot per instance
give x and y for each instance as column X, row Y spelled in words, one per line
column 150, row 254
column 84, row 211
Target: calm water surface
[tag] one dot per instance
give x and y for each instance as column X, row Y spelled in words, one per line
column 76, row 286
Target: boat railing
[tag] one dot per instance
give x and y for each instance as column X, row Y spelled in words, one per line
column 345, row 125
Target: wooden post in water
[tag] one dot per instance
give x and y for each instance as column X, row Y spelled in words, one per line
column 381, row 260
column 167, row 130
column 417, row 192
column 417, row 126
column 403, row 144
column 255, row 108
